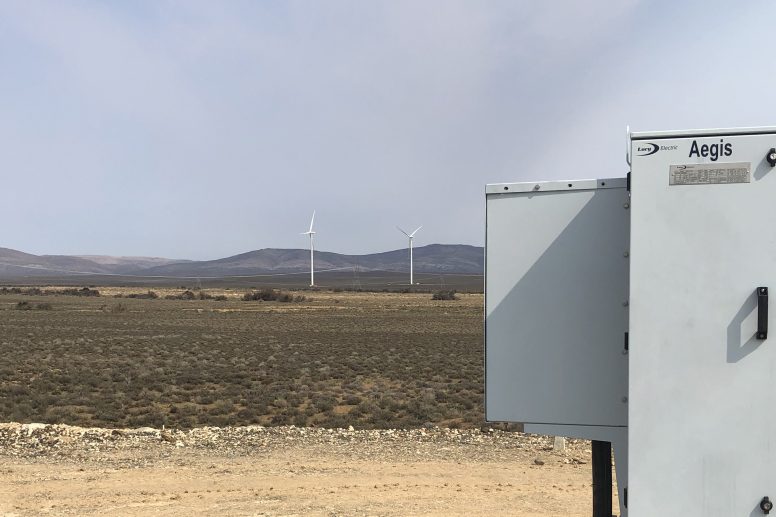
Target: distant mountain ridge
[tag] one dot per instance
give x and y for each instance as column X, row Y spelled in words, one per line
column 434, row 258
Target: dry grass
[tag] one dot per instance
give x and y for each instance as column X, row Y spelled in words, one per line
column 336, row 359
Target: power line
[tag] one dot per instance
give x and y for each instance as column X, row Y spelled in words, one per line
column 263, row 275
column 95, row 273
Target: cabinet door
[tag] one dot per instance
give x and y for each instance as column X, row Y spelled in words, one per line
column 702, row 394
column 556, row 314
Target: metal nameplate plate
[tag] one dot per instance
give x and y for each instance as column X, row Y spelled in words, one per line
column 710, row 173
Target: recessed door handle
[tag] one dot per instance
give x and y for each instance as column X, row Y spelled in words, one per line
column 762, row 313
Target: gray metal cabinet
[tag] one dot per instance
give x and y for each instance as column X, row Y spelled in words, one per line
column 556, row 296
column 702, row 439
column 684, row 262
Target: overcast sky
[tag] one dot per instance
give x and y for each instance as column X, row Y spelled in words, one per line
column 204, row 129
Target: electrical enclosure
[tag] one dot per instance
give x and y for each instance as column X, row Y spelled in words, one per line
column 556, row 302
column 683, row 261
column 702, row 397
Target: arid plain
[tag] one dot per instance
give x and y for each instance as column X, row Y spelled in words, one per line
column 182, row 360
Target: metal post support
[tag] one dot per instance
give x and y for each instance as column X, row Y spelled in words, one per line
column 602, row 479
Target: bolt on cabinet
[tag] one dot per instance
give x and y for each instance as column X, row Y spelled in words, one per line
column 556, row 303
column 557, row 309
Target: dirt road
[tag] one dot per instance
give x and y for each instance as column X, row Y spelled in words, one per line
column 287, row 471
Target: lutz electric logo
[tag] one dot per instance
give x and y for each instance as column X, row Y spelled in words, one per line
column 647, row 149
column 710, row 151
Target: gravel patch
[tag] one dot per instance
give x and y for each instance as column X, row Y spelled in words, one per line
column 71, row 442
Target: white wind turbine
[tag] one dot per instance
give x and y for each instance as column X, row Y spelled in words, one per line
column 311, row 233
column 410, row 236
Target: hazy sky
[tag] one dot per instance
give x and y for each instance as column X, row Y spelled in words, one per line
column 204, row 129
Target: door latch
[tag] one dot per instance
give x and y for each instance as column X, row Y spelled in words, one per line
column 762, row 313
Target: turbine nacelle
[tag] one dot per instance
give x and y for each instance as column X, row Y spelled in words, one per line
column 410, row 235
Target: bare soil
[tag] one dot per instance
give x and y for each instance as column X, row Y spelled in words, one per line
column 62, row 470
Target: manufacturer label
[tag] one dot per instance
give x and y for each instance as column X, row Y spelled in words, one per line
column 709, row 173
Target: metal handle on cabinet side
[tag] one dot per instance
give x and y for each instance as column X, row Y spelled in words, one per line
column 762, row 313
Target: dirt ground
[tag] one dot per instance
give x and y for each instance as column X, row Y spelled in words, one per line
column 400, row 356
column 292, row 474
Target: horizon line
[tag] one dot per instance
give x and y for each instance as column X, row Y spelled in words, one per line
column 97, row 255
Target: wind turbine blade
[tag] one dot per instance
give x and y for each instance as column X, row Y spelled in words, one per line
column 402, row 231
column 416, row 231
column 312, row 221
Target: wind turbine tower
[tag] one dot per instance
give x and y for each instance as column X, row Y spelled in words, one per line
column 311, row 233
column 410, row 236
